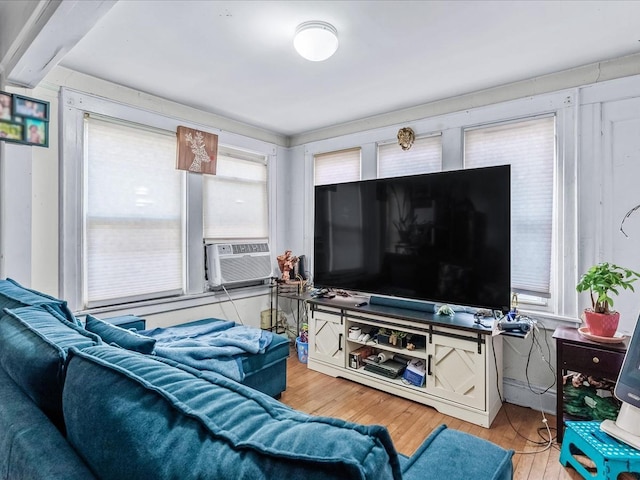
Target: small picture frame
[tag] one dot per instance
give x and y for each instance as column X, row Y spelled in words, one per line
column 30, row 108
column 24, row 120
column 197, row 151
column 6, row 106
column 11, row 130
column 36, row 132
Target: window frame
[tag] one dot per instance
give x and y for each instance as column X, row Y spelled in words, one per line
column 355, row 150
column 97, row 303
column 532, row 301
column 429, row 136
column 74, row 105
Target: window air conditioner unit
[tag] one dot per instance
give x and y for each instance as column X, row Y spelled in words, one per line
column 234, row 263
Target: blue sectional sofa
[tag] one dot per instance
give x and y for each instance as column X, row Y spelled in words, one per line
column 74, row 407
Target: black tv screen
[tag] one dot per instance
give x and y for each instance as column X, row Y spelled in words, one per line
column 442, row 237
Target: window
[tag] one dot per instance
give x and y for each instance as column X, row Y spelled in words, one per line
column 425, row 156
column 529, row 146
column 337, row 167
column 133, row 217
column 132, row 225
column 235, row 199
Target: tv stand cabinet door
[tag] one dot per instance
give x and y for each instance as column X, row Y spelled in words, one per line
column 457, row 371
column 326, row 338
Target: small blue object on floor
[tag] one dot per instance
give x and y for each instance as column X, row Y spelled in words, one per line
column 610, row 456
column 303, row 350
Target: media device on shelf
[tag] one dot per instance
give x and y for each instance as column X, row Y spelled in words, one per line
column 627, row 426
column 442, row 237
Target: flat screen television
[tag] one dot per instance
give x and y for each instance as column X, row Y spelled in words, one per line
column 442, row 237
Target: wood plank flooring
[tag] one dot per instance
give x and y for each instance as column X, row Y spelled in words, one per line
column 409, row 423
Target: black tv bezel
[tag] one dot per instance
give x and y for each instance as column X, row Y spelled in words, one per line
column 502, row 306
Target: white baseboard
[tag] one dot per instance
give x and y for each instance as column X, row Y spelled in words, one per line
column 518, row 393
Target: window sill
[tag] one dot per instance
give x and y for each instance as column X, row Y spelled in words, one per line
column 550, row 321
column 164, row 305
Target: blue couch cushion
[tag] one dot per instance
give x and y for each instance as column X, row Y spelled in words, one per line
column 33, row 351
column 148, row 419
column 448, row 454
column 30, row 446
column 123, row 338
column 14, row 295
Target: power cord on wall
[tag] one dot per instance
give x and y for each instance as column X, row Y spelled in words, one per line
column 234, row 305
column 547, row 442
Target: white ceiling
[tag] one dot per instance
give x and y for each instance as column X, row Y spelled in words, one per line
column 236, row 58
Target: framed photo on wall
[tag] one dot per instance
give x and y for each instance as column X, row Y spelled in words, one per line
column 6, row 106
column 11, row 130
column 24, row 120
column 29, row 107
column 36, row 131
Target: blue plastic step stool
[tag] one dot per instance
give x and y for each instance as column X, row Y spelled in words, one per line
column 610, row 456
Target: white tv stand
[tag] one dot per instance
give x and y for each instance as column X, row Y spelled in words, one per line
column 464, row 360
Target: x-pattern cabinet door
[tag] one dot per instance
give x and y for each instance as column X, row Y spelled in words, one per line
column 326, row 338
column 456, row 370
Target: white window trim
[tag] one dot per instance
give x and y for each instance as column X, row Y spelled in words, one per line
column 74, row 105
column 563, row 304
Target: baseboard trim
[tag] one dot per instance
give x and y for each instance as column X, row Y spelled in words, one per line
column 518, row 393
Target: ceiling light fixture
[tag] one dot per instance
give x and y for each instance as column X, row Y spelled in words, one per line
column 316, row 41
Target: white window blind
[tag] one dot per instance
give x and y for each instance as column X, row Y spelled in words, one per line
column 425, row 156
column 337, row 167
column 133, row 230
column 529, row 146
column 235, row 199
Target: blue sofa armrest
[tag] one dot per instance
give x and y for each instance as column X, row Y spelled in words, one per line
column 448, row 453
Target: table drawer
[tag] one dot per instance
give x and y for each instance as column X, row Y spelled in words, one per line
column 592, row 361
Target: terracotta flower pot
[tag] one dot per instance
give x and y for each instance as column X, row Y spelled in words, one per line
column 601, row 324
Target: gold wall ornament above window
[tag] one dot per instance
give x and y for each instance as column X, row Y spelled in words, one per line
column 197, row 151
column 406, row 138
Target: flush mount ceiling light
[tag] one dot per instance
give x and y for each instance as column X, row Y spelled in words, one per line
column 316, row 41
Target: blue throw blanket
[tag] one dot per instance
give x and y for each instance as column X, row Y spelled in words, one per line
column 214, row 345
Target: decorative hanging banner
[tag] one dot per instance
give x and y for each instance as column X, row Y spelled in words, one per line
column 197, row 151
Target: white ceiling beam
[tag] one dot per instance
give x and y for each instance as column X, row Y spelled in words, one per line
column 53, row 29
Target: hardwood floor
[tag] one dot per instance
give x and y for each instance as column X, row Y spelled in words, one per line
column 409, row 423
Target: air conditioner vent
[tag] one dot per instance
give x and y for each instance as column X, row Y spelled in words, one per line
column 229, row 263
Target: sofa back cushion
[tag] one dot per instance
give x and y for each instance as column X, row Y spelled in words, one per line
column 33, row 350
column 133, row 416
column 14, row 295
column 123, row 338
column 31, row 448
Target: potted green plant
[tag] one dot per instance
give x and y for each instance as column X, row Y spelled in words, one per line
column 603, row 281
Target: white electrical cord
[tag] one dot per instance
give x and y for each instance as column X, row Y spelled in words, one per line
column 234, row 305
column 546, row 424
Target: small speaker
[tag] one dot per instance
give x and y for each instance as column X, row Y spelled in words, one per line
column 301, row 267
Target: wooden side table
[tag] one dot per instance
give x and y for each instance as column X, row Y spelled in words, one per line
column 577, row 354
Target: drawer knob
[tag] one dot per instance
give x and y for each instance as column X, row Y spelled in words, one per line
column 596, row 360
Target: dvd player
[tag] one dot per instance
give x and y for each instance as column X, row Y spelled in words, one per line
column 390, row 368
